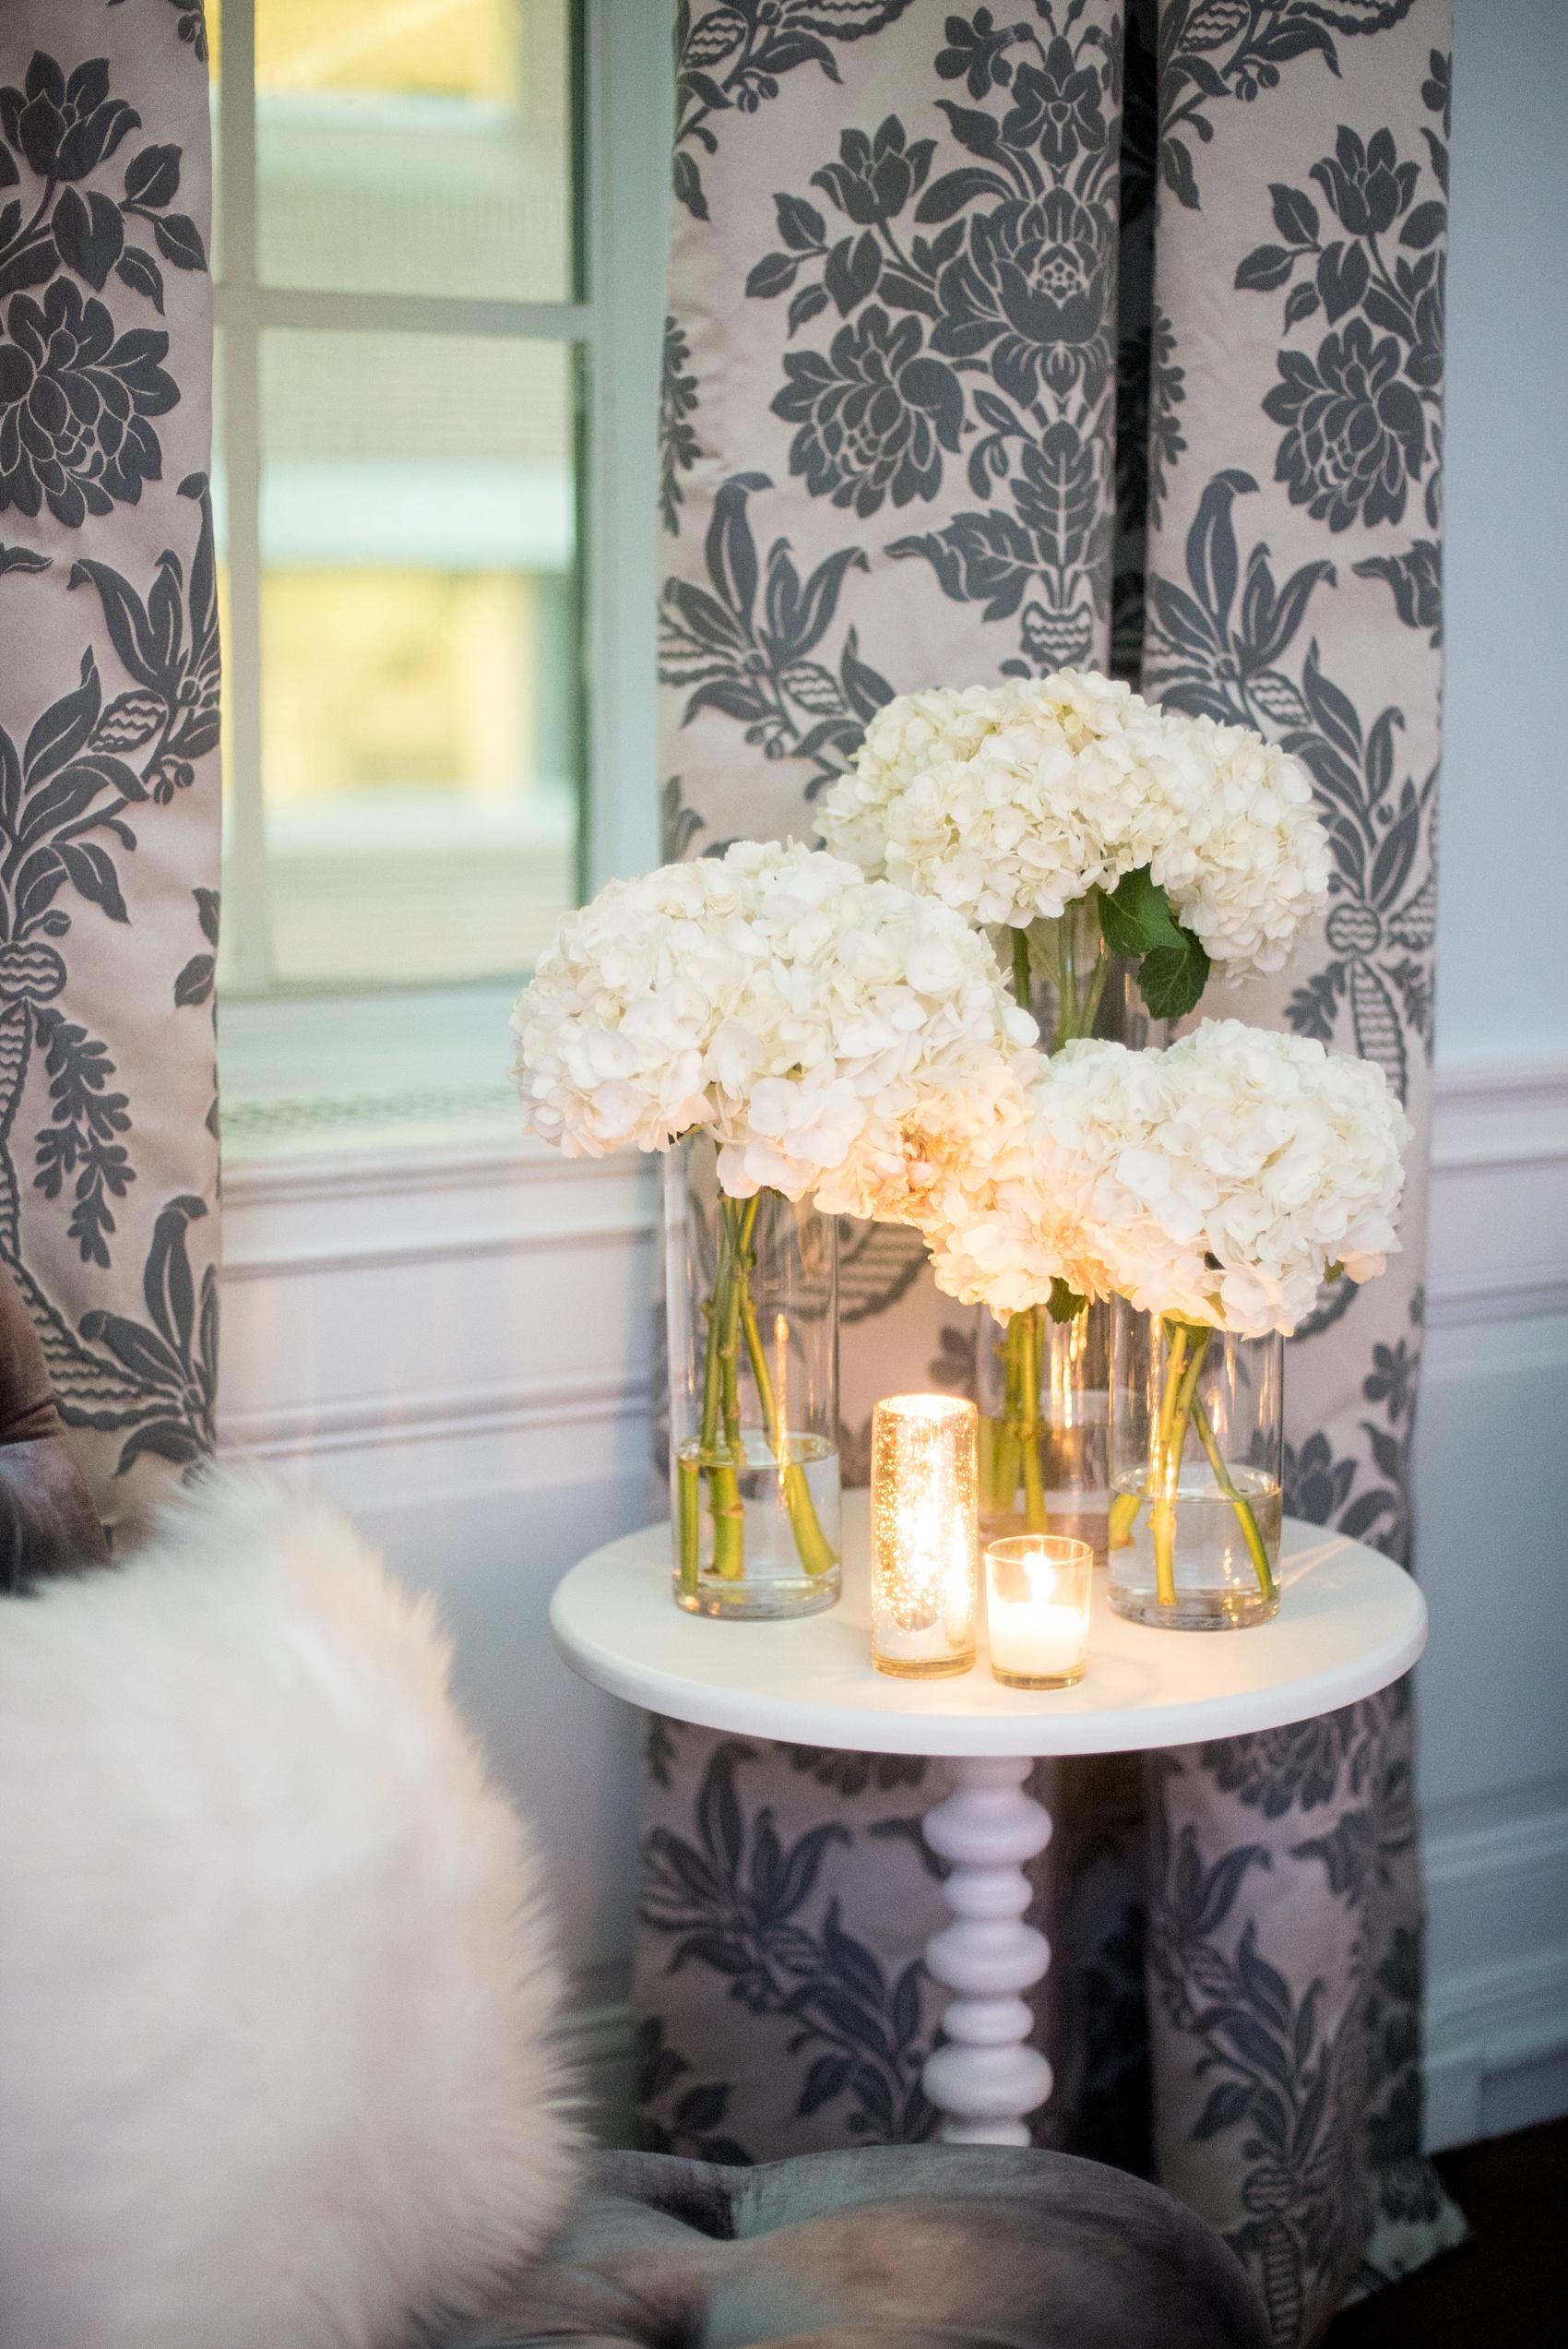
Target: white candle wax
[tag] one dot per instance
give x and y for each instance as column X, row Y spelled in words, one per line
column 1036, row 1640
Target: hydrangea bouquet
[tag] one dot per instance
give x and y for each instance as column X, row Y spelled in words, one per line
column 799, row 1013
column 1076, row 820
column 1214, row 1185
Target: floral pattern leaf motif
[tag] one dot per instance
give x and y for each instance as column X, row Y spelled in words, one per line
column 693, row 2111
column 731, row 59
column 78, row 395
column 679, row 447
column 159, row 1379
column 1216, row 49
column 63, row 801
column 739, row 1902
column 1415, row 579
column 1362, row 415
column 1325, row 1490
column 1214, row 650
column 1272, row 2064
column 755, row 665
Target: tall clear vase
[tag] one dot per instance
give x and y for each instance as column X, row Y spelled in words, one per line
column 1043, row 1387
column 752, row 1296
column 1197, row 1451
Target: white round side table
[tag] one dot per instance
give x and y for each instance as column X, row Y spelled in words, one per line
column 1350, row 1622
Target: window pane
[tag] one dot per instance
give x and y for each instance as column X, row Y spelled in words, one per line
column 419, row 652
column 415, row 146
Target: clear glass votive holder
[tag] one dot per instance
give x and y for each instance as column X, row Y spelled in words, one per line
column 924, row 1536
column 1036, row 1597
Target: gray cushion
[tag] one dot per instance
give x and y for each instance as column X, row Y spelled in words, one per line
column 925, row 2247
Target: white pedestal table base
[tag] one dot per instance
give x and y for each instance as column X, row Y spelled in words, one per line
column 987, row 2077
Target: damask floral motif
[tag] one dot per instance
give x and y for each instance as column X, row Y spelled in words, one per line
column 74, row 404
column 76, row 393
column 1034, row 285
column 737, row 1900
column 1207, row 652
column 733, row 57
column 1357, row 434
column 1279, row 1768
column 1416, row 578
column 1219, row 49
column 678, row 444
column 65, row 798
column 874, row 414
column 756, row 666
column 1364, row 419
column 1020, row 297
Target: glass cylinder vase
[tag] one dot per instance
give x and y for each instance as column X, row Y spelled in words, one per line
column 1043, row 1389
column 752, row 1299
column 1196, row 1451
column 924, row 1545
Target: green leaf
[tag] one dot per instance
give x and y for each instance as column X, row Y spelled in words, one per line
column 1064, row 1304
column 1171, row 979
column 1136, row 921
column 1136, row 916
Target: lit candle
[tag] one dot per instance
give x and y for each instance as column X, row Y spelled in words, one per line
column 1038, row 1610
column 924, row 1535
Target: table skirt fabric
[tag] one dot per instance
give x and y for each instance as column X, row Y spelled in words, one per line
column 927, row 2248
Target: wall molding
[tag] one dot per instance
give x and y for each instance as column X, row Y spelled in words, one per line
column 1486, row 1116
column 564, row 1400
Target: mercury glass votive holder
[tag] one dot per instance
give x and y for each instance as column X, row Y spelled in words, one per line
column 1037, row 1600
column 924, row 1536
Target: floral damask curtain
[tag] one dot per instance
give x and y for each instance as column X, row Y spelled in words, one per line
column 1093, row 336
column 109, row 782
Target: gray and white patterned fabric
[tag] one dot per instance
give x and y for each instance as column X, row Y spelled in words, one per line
column 1090, row 334
column 109, row 777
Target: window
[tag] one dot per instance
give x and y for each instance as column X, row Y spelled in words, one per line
column 436, row 359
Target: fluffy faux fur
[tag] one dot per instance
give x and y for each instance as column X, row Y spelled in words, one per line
column 276, row 1990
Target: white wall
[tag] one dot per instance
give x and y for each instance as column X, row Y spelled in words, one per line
column 1493, row 1539
column 1503, row 934
column 454, row 1340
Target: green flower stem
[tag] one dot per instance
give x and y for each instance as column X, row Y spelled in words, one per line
column 1238, row 1501
column 721, row 1395
column 817, row 1554
column 1075, row 1012
column 688, row 1502
column 1006, row 1464
column 1181, row 1372
column 1027, row 1327
column 988, row 1436
column 1124, row 1507
column 1067, row 985
column 1022, row 985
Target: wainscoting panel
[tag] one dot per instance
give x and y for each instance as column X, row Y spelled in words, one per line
column 454, row 1343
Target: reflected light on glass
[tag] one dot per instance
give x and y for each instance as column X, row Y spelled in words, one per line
column 924, row 1535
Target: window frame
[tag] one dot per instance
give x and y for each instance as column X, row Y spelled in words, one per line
column 622, row 69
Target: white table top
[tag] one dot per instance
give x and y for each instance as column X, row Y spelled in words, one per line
column 1350, row 1622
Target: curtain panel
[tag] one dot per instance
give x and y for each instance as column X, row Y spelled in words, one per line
column 109, row 774
column 1112, row 337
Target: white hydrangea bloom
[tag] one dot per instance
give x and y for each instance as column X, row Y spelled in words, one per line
column 774, row 996
column 1010, row 801
column 1220, row 1179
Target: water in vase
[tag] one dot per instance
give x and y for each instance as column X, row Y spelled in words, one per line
column 1216, row 1582
column 789, row 1527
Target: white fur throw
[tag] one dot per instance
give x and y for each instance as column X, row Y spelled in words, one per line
column 277, row 1988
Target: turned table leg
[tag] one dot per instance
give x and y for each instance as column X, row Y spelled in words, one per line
column 989, row 2076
